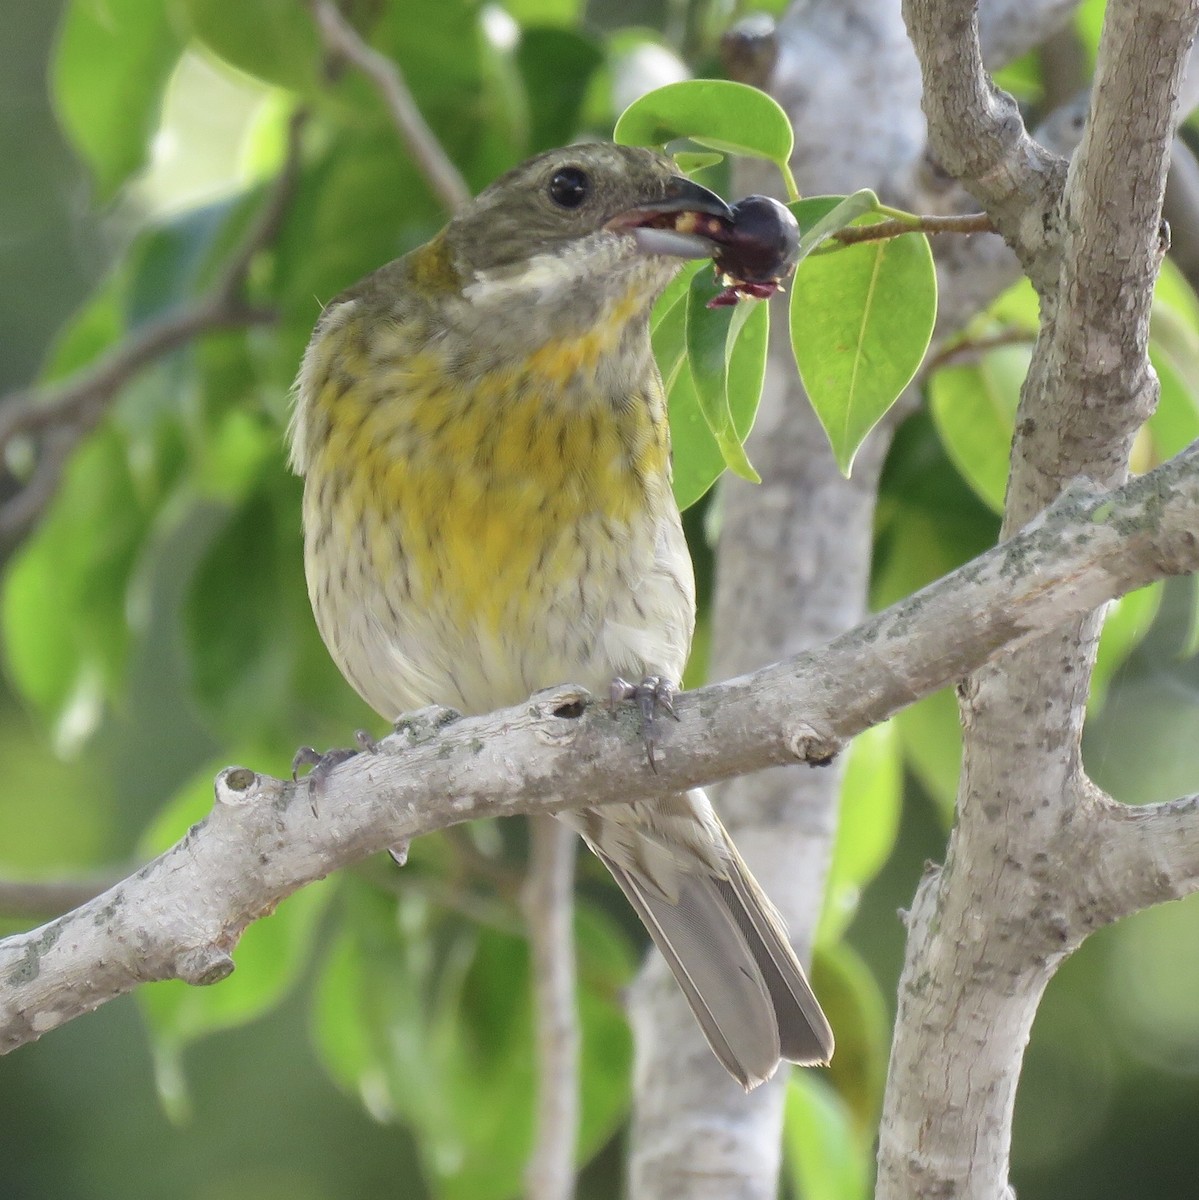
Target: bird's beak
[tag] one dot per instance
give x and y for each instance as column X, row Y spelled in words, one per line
column 689, row 222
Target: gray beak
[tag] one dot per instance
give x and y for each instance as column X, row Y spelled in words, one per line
column 687, row 223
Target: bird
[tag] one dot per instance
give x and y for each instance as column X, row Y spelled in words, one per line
column 487, row 511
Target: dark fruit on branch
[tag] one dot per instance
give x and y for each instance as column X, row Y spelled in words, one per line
column 762, row 244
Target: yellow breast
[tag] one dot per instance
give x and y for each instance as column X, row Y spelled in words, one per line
column 483, row 494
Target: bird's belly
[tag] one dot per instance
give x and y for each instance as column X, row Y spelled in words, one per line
column 477, row 587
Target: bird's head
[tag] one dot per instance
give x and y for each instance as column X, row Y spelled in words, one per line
column 607, row 219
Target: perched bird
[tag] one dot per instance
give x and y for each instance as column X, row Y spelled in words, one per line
column 482, row 433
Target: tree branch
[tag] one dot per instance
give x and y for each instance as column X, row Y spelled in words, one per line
column 898, row 226
column 549, row 916
column 181, row 915
column 976, row 131
column 1136, row 856
column 61, row 415
column 341, row 39
column 49, row 897
column 987, row 932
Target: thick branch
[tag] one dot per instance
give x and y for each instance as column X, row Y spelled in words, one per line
column 1140, row 855
column 181, row 915
column 987, row 932
column 976, row 131
column 1090, row 386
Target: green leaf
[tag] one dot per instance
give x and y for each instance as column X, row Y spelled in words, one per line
column 674, row 292
column 733, row 118
column 468, row 88
column 1174, row 352
column 819, row 217
column 689, row 162
column 1017, row 307
column 430, row 1021
column 275, row 40
column 1174, row 424
column 1125, row 625
column 931, row 733
column 974, row 410
column 861, row 1022
column 256, row 662
column 65, row 623
column 110, row 68
column 825, row 1157
column 871, row 798
column 861, row 320
column 557, row 66
column 698, row 458
column 543, row 12
column 1172, row 294
column 715, row 336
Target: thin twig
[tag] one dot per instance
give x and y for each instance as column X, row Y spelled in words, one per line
column 896, row 227
column 341, row 39
column 62, row 414
column 549, row 913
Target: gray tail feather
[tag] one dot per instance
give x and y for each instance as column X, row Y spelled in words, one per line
column 724, row 944
column 804, row 1033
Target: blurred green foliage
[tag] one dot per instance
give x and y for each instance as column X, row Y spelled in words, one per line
column 375, row 1039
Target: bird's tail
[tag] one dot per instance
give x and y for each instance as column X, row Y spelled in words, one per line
column 727, row 947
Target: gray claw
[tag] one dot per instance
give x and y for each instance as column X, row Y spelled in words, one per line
column 653, row 694
column 321, row 764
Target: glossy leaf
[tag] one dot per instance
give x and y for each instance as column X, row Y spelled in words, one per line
column 733, row 118
column 111, row 64
column 825, row 1157
column 726, row 349
column 691, row 162
column 698, row 461
column 65, row 623
column 697, row 457
column 871, row 799
column 543, row 12
column 270, row 39
column 430, row 1022
column 861, row 320
column 861, row 1022
column 557, row 66
column 974, row 409
column 820, row 217
column 1125, row 625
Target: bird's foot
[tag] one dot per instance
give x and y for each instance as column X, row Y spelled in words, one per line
column 654, row 695
column 320, row 765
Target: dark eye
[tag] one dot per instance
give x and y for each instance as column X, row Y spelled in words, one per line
column 569, row 187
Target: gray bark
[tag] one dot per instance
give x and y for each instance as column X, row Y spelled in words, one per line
column 181, row 915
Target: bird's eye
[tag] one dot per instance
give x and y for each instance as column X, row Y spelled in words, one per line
column 569, row 187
